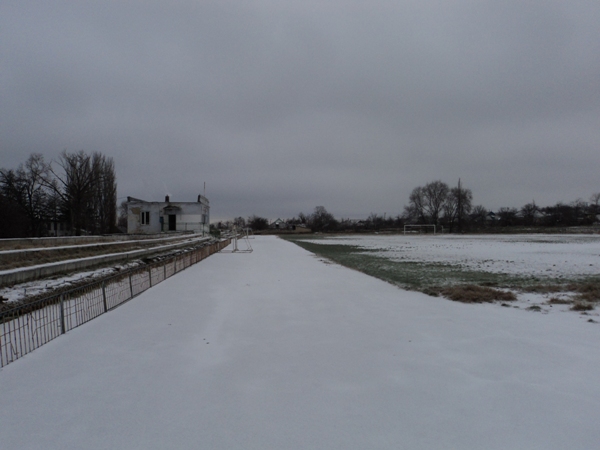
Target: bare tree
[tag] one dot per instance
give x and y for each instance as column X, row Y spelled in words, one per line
column 105, row 193
column 529, row 213
column 76, row 184
column 89, row 191
column 426, row 203
column 415, row 211
column 479, row 214
column 595, row 203
column 579, row 209
column 457, row 206
column 322, row 220
column 28, row 188
column 122, row 220
column 18, row 224
column 508, row 216
column 257, row 223
column 303, row 218
column 239, row 222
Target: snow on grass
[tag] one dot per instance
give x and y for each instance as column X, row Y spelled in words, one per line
column 538, row 255
column 275, row 349
column 539, row 269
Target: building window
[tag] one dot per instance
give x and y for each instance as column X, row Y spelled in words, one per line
column 146, row 218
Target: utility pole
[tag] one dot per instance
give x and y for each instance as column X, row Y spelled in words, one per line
column 459, row 207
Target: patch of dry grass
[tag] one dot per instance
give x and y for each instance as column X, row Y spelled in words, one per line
column 560, row 301
column 544, row 288
column 581, row 306
column 587, row 292
column 471, row 293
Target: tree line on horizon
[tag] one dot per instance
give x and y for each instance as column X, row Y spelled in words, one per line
column 75, row 195
column 436, row 203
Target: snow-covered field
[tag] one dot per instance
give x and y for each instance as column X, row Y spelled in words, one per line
column 522, row 264
column 276, row 350
column 537, row 255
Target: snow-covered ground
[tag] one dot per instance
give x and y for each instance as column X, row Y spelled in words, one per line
column 276, row 350
column 538, row 255
column 18, row 292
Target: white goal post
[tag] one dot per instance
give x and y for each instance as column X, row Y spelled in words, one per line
column 244, row 236
column 419, row 228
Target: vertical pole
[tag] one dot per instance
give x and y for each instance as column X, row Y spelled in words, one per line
column 150, row 276
column 165, row 270
column 104, row 296
column 130, row 285
column 62, row 314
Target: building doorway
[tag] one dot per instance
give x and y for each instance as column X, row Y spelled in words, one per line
column 172, row 222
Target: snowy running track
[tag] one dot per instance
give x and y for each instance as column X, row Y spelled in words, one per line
column 278, row 350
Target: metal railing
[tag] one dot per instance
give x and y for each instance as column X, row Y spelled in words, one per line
column 27, row 327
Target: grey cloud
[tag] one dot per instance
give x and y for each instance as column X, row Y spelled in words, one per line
column 282, row 106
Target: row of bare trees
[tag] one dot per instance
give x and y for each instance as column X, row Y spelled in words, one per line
column 319, row 220
column 576, row 213
column 77, row 193
column 437, row 203
column 451, row 207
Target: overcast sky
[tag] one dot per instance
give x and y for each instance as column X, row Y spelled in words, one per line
column 280, row 106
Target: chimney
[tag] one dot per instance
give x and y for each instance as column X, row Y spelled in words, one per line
column 166, row 198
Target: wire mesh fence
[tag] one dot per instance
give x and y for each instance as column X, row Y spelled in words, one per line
column 27, row 327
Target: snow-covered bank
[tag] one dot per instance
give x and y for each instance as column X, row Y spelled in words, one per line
column 275, row 349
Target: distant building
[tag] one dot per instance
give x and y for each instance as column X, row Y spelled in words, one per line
column 57, row 228
column 157, row 217
column 300, row 228
column 279, row 225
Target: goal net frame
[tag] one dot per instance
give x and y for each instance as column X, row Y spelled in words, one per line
column 244, row 236
column 420, row 227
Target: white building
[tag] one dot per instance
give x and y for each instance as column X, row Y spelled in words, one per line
column 156, row 217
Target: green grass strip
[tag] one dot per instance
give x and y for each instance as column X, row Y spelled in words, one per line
column 427, row 277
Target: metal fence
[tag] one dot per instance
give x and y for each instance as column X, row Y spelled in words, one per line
column 30, row 326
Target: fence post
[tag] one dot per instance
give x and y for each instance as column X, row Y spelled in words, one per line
column 62, row 314
column 165, row 270
column 130, row 285
column 104, row 296
column 150, row 276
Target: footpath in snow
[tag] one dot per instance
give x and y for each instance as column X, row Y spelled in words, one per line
column 276, row 349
